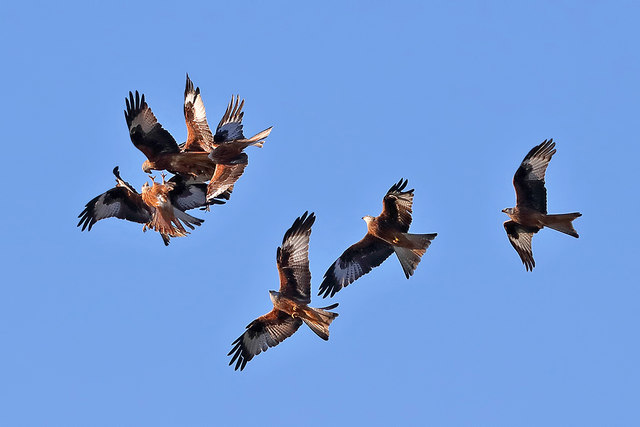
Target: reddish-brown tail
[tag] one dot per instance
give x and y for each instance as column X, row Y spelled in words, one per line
column 319, row 319
column 562, row 223
column 162, row 223
column 411, row 255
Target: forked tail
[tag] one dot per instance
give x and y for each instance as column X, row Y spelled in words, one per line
column 562, row 223
column 319, row 319
column 410, row 257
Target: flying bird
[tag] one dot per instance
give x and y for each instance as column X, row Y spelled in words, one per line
column 124, row 202
column 290, row 304
column 228, row 149
column 386, row 233
column 160, row 148
column 530, row 213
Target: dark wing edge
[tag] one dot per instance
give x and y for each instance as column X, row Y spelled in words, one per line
column 230, row 126
column 117, row 202
column 144, row 130
column 199, row 136
column 264, row 332
column 397, row 205
column 520, row 238
column 529, row 179
column 292, row 259
column 358, row 260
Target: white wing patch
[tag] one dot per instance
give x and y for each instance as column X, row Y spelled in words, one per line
column 145, row 119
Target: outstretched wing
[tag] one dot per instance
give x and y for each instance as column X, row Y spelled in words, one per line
column 199, row 137
column 264, row 332
column 226, row 175
column 396, row 206
column 359, row 259
column 520, row 238
column 293, row 260
column 144, row 130
column 230, row 126
column 529, row 178
column 187, row 194
column 118, row 202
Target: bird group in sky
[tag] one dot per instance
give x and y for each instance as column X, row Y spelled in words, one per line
column 205, row 170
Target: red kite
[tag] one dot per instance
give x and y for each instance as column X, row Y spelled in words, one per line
column 290, row 305
column 386, row 233
column 229, row 143
column 157, row 205
column 162, row 151
column 530, row 214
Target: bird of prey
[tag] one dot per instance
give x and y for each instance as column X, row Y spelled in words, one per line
column 228, row 149
column 530, row 213
column 290, row 304
column 386, row 233
column 124, row 202
column 161, row 149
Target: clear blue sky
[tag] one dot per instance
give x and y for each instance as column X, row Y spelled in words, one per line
column 112, row 328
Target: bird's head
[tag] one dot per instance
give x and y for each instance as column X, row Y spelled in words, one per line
column 145, row 187
column 367, row 219
column 147, row 167
column 274, row 295
column 508, row 211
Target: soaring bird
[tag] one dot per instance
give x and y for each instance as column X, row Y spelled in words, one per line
column 228, row 149
column 290, row 304
column 386, row 233
column 124, row 202
column 530, row 213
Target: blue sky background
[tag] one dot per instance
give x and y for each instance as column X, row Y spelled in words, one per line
column 111, row 328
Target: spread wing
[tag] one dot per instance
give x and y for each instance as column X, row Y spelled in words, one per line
column 293, row 260
column 187, row 194
column 355, row 262
column 529, row 178
column 144, row 130
column 199, row 137
column 230, row 126
column 226, row 175
column 520, row 238
column 264, row 332
column 397, row 205
column 118, row 202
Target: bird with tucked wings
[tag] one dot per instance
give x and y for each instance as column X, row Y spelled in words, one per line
column 387, row 233
column 290, row 304
column 148, row 208
column 530, row 213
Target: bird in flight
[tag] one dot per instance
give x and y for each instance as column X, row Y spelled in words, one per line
column 386, row 233
column 124, row 202
column 530, row 213
column 228, row 149
column 290, row 304
column 218, row 157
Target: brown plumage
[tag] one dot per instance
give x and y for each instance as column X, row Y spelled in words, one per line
column 290, row 304
column 161, row 149
column 530, row 213
column 386, row 233
column 228, row 148
column 124, row 202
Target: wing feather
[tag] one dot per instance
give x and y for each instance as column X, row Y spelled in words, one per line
column 529, row 178
column 520, row 238
column 264, row 332
column 117, row 202
column 397, row 206
column 230, row 126
column 144, row 130
column 226, row 175
column 359, row 259
column 293, row 260
column 199, row 136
